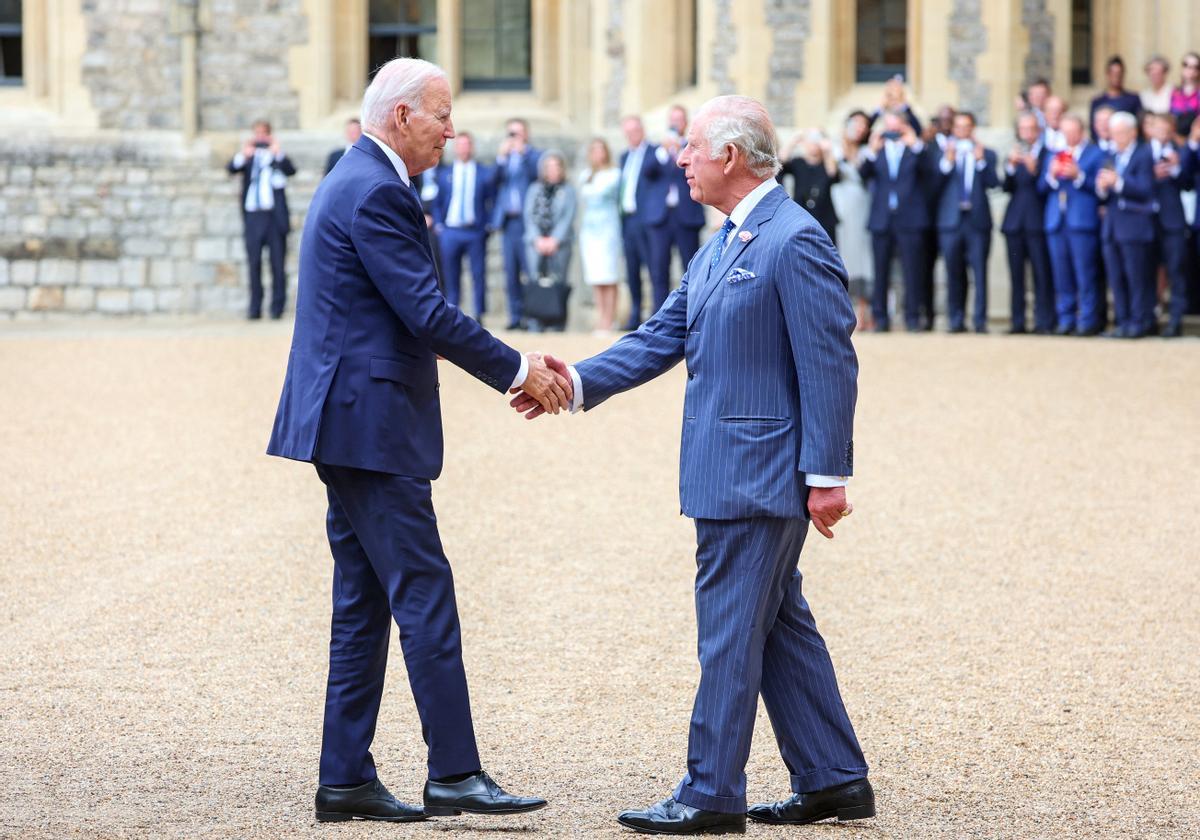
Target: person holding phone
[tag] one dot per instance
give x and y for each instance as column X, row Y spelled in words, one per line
column 264, row 169
column 516, row 168
column 1023, row 230
column 1173, row 167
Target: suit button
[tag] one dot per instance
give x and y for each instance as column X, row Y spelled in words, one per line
column 691, row 374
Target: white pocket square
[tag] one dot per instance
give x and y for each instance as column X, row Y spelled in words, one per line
column 739, row 275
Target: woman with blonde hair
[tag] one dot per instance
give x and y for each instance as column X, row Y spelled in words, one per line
column 600, row 232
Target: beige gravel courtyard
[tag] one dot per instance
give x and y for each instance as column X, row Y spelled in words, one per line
column 1014, row 608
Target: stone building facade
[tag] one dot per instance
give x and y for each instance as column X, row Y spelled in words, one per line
column 118, row 117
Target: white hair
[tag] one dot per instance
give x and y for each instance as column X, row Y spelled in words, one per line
column 1122, row 119
column 400, row 81
column 745, row 124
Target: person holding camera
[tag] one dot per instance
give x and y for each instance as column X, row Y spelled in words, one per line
column 265, row 170
column 516, row 169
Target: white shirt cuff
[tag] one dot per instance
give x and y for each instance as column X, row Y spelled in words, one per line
column 239, row 160
column 869, row 154
column 577, row 385
column 1052, row 181
column 813, row 480
column 981, row 165
column 662, row 155
column 1080, row 180
column 946, row 166
column 917, row 147
column 1119, row 187
column 522, row 373
column 1010, row 169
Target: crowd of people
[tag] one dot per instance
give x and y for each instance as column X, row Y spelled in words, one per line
column 1088, row 218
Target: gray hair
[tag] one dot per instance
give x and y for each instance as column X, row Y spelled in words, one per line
column 549, row 155
column 400, row 81
column 1123, row 119
column 745, row 124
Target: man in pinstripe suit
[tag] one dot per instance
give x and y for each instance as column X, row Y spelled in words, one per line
column 763, row 322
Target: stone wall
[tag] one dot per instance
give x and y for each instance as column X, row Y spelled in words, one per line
column 968, row 40
column 119, row 226
column 131, row 65
column 788, row 21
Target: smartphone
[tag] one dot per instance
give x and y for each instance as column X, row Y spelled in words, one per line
column 891, row 135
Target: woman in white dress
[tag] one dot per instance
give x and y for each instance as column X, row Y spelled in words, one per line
column 600, row 232
column 852, row 202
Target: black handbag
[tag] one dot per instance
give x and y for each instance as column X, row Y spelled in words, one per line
column 545, row 297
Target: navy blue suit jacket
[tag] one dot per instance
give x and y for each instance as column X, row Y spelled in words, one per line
column 485, row 194
column 1130, row 213
column 1167, row 192
column 949, row 198
column 915, row 172
column 518, row 178
column 651, row 194
column 361, row 388
column 688, row 212
column 1082, row 206
column 1026, row 211
column 772, row 374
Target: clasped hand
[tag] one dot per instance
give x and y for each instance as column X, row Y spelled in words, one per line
column 547, row 387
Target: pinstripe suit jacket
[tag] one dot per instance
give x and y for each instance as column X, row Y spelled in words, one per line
column 772, row 374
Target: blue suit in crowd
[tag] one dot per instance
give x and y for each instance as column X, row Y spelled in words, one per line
column 1072, row 225
column 680, row 229
column 964, row 223
column 1127, row 237
column 462, row 213
column 764, row 328
column 360, row 401
column 1170, row 226
column 899, row 220
column 514, row 174
column 643, row 200
column 1025, row 235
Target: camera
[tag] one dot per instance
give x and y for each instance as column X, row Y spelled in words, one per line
column 891, row 135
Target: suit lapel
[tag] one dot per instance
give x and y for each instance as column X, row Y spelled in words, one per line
column 761, row 214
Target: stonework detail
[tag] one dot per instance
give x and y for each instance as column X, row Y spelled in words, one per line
column 1039, row 61
column 132, row 64
column 788, row 21
column 968, row 40
column 122, row 226
column 723, row 48
column 614, row 49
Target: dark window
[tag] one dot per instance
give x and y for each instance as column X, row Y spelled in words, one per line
column 496, row 45
column 400, row 29
column 11, row 63
column 882, row 40
column 1081, row 42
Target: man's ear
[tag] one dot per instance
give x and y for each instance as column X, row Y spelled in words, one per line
column 732, row 153
column 401, row 115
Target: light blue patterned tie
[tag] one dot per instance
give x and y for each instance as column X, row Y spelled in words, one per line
column 721, row 238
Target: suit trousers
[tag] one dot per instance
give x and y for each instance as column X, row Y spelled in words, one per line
column 512, row 245
column 757, row 636
column 1025, row 246
column 964, row 247
column 389, row 565
column 1131, row 281
column 1075, row 264
column 455, row 243
column 636, row 238
column 263, row 230
column 1171, row 250
column 910, row 245
column 665, row 237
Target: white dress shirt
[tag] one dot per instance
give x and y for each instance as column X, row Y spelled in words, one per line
column 743, row 209
column 964, row 151
column 462, row 195
column 264, row 179
column 629, row 177
column 402, row 171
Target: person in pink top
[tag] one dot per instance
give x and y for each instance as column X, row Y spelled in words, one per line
column 1185, row 99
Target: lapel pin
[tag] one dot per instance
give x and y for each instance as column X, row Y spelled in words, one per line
column 745, row 236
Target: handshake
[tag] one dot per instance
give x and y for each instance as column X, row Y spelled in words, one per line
column 547, row 387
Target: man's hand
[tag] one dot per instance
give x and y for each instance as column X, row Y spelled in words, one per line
column 547, row 388
column 274, row 147
column 1106, row 179
column 877, row 142
column 248, row 149
column 908, row 136
column 827, row 506
column 951, row 153
column 1194, row 134
column 980, row 151
column 1162, row 170
column 525, row 403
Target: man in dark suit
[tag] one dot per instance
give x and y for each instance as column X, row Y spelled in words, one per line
column 898, row 171
column 461, row 211
column 964, row 220
column 643, row 200
column 360, row 401
column 266, row 222
column 682, row 217
column 1127, row 190
column 1072, row 224
column 516, row 168
column 937, row 135
column 762, row 320
column 1024, row 227
column 353, row 132
column 1173, row 167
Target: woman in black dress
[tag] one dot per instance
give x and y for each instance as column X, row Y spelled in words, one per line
column 814, row 171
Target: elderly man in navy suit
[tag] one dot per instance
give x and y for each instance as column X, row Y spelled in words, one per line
column 1023, row 227
column 964, row 220
column 461, row 211
column 360, row 402
column 1072, row 225
column 762, row 320
column 1127, row 233
column 899, row 172
column 643, row 201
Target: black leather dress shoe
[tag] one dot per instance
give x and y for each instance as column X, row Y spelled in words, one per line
column 1172, row 331
column 1017, row 331
column 476, row 794
column 368, row 801
column 851, row 801
column 1064, row 330
column 671, row 817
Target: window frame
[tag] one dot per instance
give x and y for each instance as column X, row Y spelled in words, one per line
column 874, row 73
column 18, row 30
column 515, row 84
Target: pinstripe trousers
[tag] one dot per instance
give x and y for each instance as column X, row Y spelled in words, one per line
column 756, row 634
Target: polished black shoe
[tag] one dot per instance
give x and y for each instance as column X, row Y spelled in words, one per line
column 955, row 330
column 514, row 326
column 476, row 794
column 1017, row 331
column 1089, row 332
column 851, row 801
column 881, row 328
column 1173, row 331
column 368, row 801
column 671, row 817
column 1064, row 330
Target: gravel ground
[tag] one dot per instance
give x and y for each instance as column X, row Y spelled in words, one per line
column 1012, row 610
